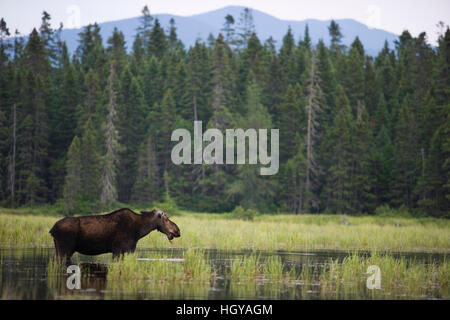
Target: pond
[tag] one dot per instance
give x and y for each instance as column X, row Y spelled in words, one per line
column 28, row 274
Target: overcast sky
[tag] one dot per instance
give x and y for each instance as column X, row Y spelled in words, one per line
column 390, row 15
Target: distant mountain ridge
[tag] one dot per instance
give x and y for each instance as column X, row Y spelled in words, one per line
column 199, row 26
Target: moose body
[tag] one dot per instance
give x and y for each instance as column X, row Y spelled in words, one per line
column 117, row 232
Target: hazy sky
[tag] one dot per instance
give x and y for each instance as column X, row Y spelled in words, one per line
column 390, row 15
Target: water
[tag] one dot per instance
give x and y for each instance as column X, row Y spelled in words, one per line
column 25, row 274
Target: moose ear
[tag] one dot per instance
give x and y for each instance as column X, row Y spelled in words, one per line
column 160, row 213
column 145, row 211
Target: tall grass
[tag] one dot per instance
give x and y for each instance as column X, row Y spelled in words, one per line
column 265, row 232
column 193, row 266
column 400, row 277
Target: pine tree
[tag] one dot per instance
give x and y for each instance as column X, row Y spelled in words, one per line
column 249, row 188
column 110, row 161
column 145, row 27
column 153, row 83
column 228, row 30
column 33, row 128
column 73, row 187
column 223, row 79
column 91, row 163
column 434, row 187
column 407, row 159
column 336, row 47
column 62, row 118
column 338, row 187
column 92, row 106
column 383, row 165
column 352, row 77
column 165, row 117
column 306, row 42
column 116, row 51
column 146, row 188
column 362, row 155
column 157, row 44
column 199, row 82
column 245, row 27
column 287, row 58
column 131, row 115
column 91, row 52
column 293, row 178
column 274, row 89
column 292, row 121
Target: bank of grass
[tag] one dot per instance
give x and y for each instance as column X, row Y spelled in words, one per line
column 264, row 232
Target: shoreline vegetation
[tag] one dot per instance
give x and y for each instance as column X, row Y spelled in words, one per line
column 338, row 278
column 23, row 228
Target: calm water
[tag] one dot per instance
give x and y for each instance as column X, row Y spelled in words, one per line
column 24, row 275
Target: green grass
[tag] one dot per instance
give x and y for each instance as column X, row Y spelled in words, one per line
column 158, row 268
column 265, row 232
column 400, row 277
column 337, row 279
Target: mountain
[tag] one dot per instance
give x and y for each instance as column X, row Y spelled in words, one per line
column 199, row 26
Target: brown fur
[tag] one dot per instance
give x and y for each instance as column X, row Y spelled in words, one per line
column 117, row 232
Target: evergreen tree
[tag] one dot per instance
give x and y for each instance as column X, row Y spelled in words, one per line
column 33, row 128
column 146, row 188
column 407, row 159
column 334, row 31
column 145, row 27
column 131, row 126
column 292, row 121
column 287, row 58
column 91, row 164
column 109, row 189
column 245, row 27
column 73, row 187
column 157, row 44
column 362, row 155
column 228, row 30
column 249, row 188
column 338, row 187
column 382, row 165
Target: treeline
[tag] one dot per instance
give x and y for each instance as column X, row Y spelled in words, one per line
column 93, row 129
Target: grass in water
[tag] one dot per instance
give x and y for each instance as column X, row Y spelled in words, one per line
column 400, row 277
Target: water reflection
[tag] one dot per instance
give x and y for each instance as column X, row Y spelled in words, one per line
column 33, row 274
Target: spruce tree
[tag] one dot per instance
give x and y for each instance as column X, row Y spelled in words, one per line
column 338, row 188
column 147, row 186
column 110, row 159
column 131, row 115
column 73, row 187
column 91, row 164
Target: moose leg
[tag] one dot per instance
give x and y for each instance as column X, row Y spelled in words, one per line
column 63, row 250
column 119, row 249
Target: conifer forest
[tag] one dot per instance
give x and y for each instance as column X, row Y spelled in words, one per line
column 91, row 130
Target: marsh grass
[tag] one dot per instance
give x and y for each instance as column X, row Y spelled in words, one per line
column 194, row 272
column 265, row 232
column 400, row 277
column 193, row 266
column 160, row 277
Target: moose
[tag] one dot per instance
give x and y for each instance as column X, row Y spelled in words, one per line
column 117, row 232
